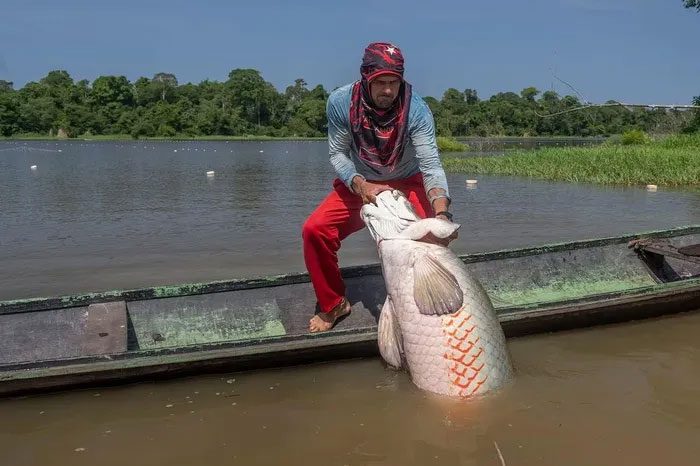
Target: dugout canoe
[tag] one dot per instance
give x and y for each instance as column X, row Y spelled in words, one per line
column 168, row 331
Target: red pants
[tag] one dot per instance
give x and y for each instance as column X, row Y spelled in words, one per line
column 335, row 219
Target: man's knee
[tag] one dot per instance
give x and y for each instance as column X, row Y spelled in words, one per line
column 313, row 228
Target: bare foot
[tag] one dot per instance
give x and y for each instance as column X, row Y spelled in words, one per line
column 324, row 321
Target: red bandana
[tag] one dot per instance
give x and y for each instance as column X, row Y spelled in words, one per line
column 380, row 135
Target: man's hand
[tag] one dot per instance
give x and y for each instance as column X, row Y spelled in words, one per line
column 368, row 190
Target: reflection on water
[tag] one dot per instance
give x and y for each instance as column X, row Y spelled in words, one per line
column 618, row 395
column 104, row 215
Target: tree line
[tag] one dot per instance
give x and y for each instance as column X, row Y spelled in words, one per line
column 246, row 104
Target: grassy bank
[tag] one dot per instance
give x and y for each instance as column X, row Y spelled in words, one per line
column 672, row 161
column 446, row 144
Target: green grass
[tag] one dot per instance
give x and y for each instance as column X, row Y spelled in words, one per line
column 446, row 144
column 672, row 161
column 681, row 141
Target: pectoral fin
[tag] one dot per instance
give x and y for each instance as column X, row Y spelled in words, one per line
column 435, row 290
column 389, row 336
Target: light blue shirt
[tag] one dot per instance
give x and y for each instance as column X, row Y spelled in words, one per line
column 424, row 157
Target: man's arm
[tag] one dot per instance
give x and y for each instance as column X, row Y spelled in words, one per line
column 339, row 144
column 423, row 139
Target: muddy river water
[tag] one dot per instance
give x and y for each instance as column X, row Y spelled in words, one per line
column 618, row 395
column 95, row 216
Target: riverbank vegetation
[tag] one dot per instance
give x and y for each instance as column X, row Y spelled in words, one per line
column 245, row 105
column 633, row 160
column 448, row 144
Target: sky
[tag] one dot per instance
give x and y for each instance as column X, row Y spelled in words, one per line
column 635, row 51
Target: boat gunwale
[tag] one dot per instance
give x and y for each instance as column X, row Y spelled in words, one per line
column 305, row 341
column 190, row 289
column 198, row 352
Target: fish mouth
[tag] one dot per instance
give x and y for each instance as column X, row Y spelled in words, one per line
column 370, row 219
column 391, row 215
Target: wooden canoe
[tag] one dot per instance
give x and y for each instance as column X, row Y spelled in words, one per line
column 151, row 333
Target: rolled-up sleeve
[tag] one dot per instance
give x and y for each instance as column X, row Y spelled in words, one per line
column 423, row 139
column 339, row 142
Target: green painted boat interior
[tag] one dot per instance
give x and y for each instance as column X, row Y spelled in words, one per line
column 264, row 310
column 562, row 276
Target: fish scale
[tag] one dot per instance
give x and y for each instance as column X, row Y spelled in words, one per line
column 461, row 353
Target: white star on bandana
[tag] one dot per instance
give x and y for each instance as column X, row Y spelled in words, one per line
column 390, row 50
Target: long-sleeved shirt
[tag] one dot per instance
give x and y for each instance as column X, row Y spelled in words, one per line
column 421, row 134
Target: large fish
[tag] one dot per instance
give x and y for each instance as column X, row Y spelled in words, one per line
column 437, row 321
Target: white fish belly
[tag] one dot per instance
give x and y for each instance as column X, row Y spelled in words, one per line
column 460, row 354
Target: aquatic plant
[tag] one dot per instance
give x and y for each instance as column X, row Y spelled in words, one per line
column 634, row 137
column 672, row 161
column 446, row 144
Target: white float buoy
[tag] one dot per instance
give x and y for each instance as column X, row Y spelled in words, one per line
column 33, row 167
column 652, row 187
column 210, row 173
column 175, row 150
column 471, row 182
column 261, row 151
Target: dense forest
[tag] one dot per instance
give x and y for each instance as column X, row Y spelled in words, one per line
column 246, row 104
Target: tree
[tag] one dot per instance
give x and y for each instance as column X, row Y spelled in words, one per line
column 189, row 92
column 253, row 95
column 692, row 4
column 164, row 84
column 9, row 114
column 247, row 104
column 144, row 93
column 297, row 92
column 694, row 124
column 112, row 89
column 454, row 101
column 309, row 114
column 58, row 85
column 57, row 78
column 529, row 94
column 433, row 104
column 38, row 115
column 210, row 90
column 470, row 96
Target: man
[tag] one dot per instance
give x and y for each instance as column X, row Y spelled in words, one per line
column 370, row 123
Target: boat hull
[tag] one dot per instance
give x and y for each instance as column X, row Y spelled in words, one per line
column 155, row 333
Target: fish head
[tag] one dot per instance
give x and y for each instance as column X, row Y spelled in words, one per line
column 390, row 216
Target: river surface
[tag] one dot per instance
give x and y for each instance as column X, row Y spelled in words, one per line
column 617, row 395
column 96, row 216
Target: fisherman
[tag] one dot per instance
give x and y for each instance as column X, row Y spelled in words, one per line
column 370, row 123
